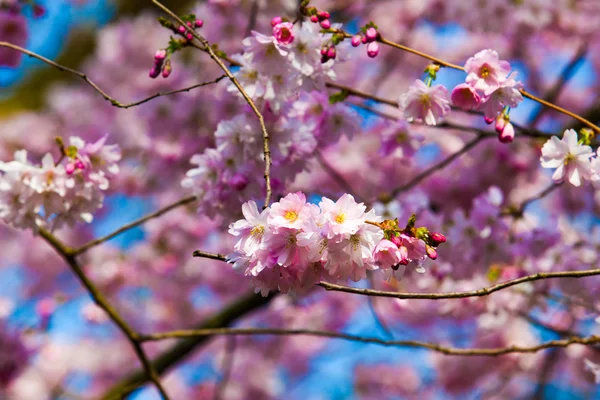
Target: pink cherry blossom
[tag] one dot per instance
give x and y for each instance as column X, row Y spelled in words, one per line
column 284, row 32
column 570, row 158
column 465, row 96
column 425, row 104
column 485, row 71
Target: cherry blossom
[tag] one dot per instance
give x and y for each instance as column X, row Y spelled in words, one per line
column 569, row 157
column 425, row 104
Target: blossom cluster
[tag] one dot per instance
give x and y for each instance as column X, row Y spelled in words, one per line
column 293, row 244
column 571, row 158
column 490, row 87
column 59, row 192
column 275, row 68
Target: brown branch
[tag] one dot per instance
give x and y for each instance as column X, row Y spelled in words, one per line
column 208, row 49
column 564, row 76
column 517, row 212
column 178, row 352
column 459, row 295
column 213, row 256
column 124, row 228
column 440, row 165
column 337, row 177
column 93, row 85
column 591, row 340
column 100, row 300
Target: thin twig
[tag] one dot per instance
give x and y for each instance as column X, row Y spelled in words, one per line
column 459, row 295
column 518, row 211
column 93, row 85
column 564, row 76
column 125, row 228
column 208, row 49
column 440, row 165
column 337, row 177
column 591, row 340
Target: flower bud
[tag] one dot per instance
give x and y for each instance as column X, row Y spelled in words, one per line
column 167, row 69
column 79, row 164
column 181, row 29
column 324, row 50
column 326, row 24
column 198, row 23
column 323, row 15
column 356, row 39
column 331, row 53
column 431, row 252
column 500, row 123
column 154, row 72
column 363, row 40
column 508, row 134
column 488, row 120
column 189, row 36
column 373, row 49
column 70, row 168
column 160, row 55
column 437, row 238
column 189, row 24
column 314, row 18
column 371, row 34
column 276, row 21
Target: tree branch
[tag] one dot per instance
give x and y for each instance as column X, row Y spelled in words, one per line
column 459, row 295
column 125, row 228
column 100, row 300
column 591, row 340
column 208, row 49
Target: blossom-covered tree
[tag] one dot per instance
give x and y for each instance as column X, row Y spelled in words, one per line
column 246, row 199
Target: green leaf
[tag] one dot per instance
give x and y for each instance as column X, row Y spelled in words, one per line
column 338, row 97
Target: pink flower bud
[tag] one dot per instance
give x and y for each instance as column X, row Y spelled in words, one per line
column 198, row 23
column 371, row 34
column 70, row 168
column 181, row 29
column 356, row 39
column 500, row 123
column 488, row 120
column 331, row 53
column 189, row 36
column 276, row 21
column 324, row 15
column 189, row 24
column 437, row 237
column 324, row 50
column 79, row 164
column 314, row 18
column 431, row 252
column 166, row 72
column 363, row 40
column 326, row 24
column 508, row 134
column 154, row 72
column 373, row 49
column 160, row 55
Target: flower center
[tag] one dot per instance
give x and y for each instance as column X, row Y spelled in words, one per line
column 257, row 231
column 425, row 99
column 569, row 157
column 291, row 216
column 340, row 218
column 484, row 71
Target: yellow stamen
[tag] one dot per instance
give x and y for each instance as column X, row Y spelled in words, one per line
column 484, row 71
column 340, row 218
column 291, row 216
